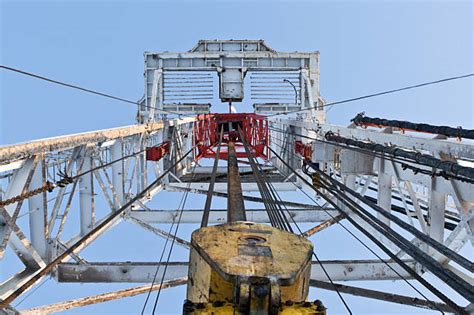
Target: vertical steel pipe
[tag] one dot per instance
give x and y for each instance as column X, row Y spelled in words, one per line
column 235, row 200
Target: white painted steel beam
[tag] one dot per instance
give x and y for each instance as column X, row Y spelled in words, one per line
column 14, row 282
column 223, row 169
column 159, row 232
column 220, row 215
column 231, row 61
column 464, row 191
column 139, row 272
column 126, row 140
column 15, row 152
column 222, row 187
column 37, row 213
column 17, row 240
column 436, row 214
column 384, row 190
column 86, row 196
column 101, row 298
column 142, row 272
column 451, row 148
column 116, row 153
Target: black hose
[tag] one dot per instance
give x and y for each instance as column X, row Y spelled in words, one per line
column 420, row 158
column 361, row 120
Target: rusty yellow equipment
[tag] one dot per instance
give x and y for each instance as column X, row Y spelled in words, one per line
column 248, row 268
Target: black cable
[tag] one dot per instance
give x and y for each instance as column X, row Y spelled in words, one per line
column 363, row 151
column 396, row 159
column 278, row 207
column 396, row 240
column 369, row 249
column 378, row 243
column 319, row 262
column 434, row 244
column 185, row 195
column 359, row 240
column 32, row 291
column 439, row 294
column 415, row 156
column 274, row 210
column 281, row 205
column 261, row 185
column 66, row 179
column 327, row 276
column 364, row 121
column 375, row 94
column 85, row 89
column 207, row 205
column 173, row 241
column 324, row 269
column 158, row 267
column 164, row 248
column 384, row 155
column 115, row 161
column 449, row 277
column 433, row 173
column 54, row 262
column 446, row 251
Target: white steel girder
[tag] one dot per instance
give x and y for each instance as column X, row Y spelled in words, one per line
column 27, row 166
column 9, row 231
column 231, row 59
column 220, row 215
column 141, row 272
column 222, row 187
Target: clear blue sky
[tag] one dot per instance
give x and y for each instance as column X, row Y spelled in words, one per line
column 365, row 46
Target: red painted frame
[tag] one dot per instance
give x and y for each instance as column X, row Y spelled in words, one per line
column 206, row 134
column 305, row 150
column 158, row 152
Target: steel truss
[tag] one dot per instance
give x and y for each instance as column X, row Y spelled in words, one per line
column 110, row 166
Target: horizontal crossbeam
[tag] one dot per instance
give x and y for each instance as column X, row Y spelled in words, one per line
column 142, row 272
column 104, row 297
column 23, row 150
column 222, row 187
column 220, row 215
column 378, row 295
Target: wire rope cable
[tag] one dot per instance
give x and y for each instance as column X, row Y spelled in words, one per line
column 384, row 155
column 380, row 245
column 158, row 267
column 83, row 89
column 184, row 200
column 363, row 243
column 358, row 98
column 434, row 244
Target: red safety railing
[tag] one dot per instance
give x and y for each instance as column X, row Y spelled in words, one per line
column 207, row 128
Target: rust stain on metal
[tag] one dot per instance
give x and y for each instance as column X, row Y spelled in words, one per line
column 100, row 298
column 323, row 225
column 24, row 150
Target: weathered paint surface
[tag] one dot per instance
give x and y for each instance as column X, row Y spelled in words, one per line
column 230, row 262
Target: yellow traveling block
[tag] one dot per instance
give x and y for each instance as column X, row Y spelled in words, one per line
column 244, row 267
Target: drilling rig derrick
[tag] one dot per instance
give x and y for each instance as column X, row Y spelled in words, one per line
column 408, row 190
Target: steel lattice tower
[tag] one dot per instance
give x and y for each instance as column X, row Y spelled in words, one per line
column 408, row 192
